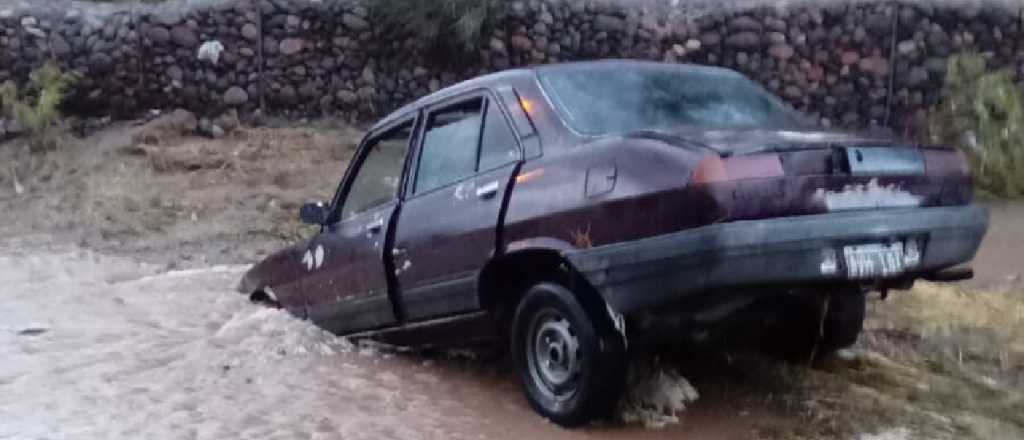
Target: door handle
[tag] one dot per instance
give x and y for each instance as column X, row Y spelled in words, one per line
column 375, row 226
column 487, row 191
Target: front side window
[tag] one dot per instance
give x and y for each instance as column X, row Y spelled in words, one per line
column 611, row 98
column 449, row 145
column 377, row 179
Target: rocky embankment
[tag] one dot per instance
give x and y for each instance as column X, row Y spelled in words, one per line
column 850, row 63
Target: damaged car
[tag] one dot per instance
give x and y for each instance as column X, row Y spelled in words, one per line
column 569, row 211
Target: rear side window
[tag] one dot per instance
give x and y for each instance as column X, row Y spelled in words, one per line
column 498, row 146
column 449, row 145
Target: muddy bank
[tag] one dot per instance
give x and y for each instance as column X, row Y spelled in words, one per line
column 135, row 189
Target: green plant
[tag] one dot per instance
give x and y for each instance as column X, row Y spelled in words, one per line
column 982, row 112
column 37, row 106
column 445, row 25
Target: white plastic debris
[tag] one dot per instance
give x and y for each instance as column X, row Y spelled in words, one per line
column 656, row 394
column 210, row 51
column 891, row 434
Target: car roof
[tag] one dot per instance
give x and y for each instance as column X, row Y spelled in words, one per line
column 624, row 63
column 507, row 75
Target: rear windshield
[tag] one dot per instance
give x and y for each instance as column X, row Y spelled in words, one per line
column 612, row 98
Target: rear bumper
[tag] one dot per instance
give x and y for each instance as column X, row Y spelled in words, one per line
column 659, row 270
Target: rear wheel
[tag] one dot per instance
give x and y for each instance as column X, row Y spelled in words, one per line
column 815, row 327
column 844, row 320
column 571, row 362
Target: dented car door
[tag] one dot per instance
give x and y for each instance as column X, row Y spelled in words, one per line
column 447, row 227
column 347, row 289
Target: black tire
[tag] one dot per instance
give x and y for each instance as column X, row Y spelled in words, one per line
column 802, row 334
column 844, row 320
column 568, row 386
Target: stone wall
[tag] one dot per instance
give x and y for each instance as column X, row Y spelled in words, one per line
column 854, row 63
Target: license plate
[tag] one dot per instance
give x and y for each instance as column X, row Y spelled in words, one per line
column 876, row 260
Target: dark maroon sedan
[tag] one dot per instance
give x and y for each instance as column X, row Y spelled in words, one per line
column 571, row 209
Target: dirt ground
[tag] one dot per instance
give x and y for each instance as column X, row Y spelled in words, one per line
column 119, row 251
column 142, row 189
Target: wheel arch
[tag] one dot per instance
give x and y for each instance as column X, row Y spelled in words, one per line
column 506, row 278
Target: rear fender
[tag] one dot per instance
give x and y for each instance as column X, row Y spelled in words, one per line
column 527, row 262
column 522, row 264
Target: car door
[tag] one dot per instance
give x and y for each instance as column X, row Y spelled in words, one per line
column 447, row 228
column 347, row 289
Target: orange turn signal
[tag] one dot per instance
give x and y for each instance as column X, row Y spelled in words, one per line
column 529, row 175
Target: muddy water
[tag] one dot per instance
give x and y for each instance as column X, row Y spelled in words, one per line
column 98, row 347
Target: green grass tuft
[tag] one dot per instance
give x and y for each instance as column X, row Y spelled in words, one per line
column 982, row 112
column 37, row 107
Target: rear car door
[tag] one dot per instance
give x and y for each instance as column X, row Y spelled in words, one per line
column 347, row 290
column 446, row 231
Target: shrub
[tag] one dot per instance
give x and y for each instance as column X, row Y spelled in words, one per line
column 450, row 26
column 37, row 107
column 982, row 112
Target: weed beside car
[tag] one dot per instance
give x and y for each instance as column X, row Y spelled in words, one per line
column 982, row 112
column 36, row 108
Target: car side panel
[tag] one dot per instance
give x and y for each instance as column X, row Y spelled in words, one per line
column 624, row 188
column 606, row 192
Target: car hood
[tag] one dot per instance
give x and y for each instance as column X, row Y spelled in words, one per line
column 747, row 141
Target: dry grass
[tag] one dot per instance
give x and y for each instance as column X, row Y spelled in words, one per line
column 234, row 198
column 968, row 325
column 955, row 356
column 936, row 362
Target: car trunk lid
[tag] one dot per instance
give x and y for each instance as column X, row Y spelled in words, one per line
column 735, row 142
column 770, row 173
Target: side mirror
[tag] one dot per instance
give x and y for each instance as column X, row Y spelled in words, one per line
column 314, row 213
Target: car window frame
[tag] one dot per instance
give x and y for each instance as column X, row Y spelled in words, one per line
column 489, row 97
column 421, row 129
column 494, row 100
column 425, row 113
column 523, row 124
column 356, row 164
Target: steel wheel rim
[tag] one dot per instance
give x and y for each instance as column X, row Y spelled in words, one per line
column 553, row 354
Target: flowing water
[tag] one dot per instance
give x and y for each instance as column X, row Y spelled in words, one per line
column 101, row 347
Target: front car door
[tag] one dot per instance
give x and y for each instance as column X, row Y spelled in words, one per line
column 446, row 231
column 347, row 290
